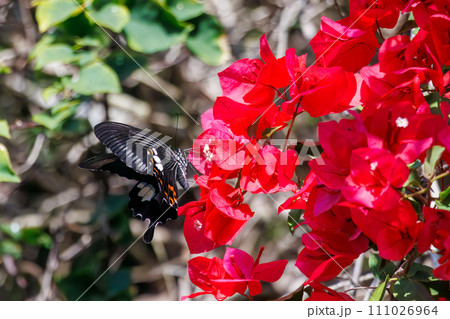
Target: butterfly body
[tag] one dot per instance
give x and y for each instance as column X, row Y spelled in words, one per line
column 140, row 155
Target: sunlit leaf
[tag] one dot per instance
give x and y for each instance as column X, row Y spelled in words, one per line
column 112, row 16
column 4, row 129
column 4, row 69
column 6, row 172
column 185, row 9
column 54, row 53
column 433, row 156
column 152, row 29
column 95, row 78
column 51, row 12
column 378, row 293
column 54, row 119
column 444, row 200
column 9, row 247
column 208, row 41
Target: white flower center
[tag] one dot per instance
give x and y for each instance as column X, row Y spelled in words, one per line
column 197, row 224
column 207, row 152
column 402, row 122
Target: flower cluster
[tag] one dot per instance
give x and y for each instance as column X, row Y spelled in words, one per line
column 234, row 274
column 372, row 186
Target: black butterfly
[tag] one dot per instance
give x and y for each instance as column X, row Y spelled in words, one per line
column 139, row 155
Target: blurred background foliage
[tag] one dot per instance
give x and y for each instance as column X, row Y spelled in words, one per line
column 67, row 65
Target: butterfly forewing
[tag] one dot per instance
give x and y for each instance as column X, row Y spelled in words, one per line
column 135, row 147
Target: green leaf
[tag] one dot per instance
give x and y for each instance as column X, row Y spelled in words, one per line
column 5, row 69
column 13, row 230
column 95, row 78
column 414, row 165
column 152, row 29
column 185, row 9
column 421, row 272
column 51, row 122
column 444, row 194
column 294, row 219
column 433, row 99
column 4, row 129
column 444, row 200
column 51, row 91
column 378, row 293
column 36, row 237
column 413, row 179
column 9, row 247
column 53, row 53
column 6, row 172
column 433, row 156
column 32, row 236
column 208, row 41
column 112, row 16
column 406, row 289
column 381, row 268
column 51, row 12
column 424, row 275
column 54, row 119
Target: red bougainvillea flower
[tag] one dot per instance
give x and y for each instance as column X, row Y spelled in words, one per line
column 334, row 231
column 318, row 265
column 338, row 45
column 436, row 232
column 370, row 14
column 243, row 268
column 333, row 243
column 195, row 218
column 234, row 274
column 259, row 117
column 249, row 87
column 423, row 10
column 215, row 219
column 374, row 176
column 300, row 198
column 319, row 90
column 253, row 82
column 439, row 27
column 400, row 55
column 239, row 83
column 217, row 145
column 268, row 170
column 323, row 293
column 335, row 165
column 402, row 131
column 394, row 231
column 274, row 73
column 204, row 271
column 380, row 90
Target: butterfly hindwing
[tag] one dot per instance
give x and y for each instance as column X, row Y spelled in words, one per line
column 111, row 163
column 144, row 204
